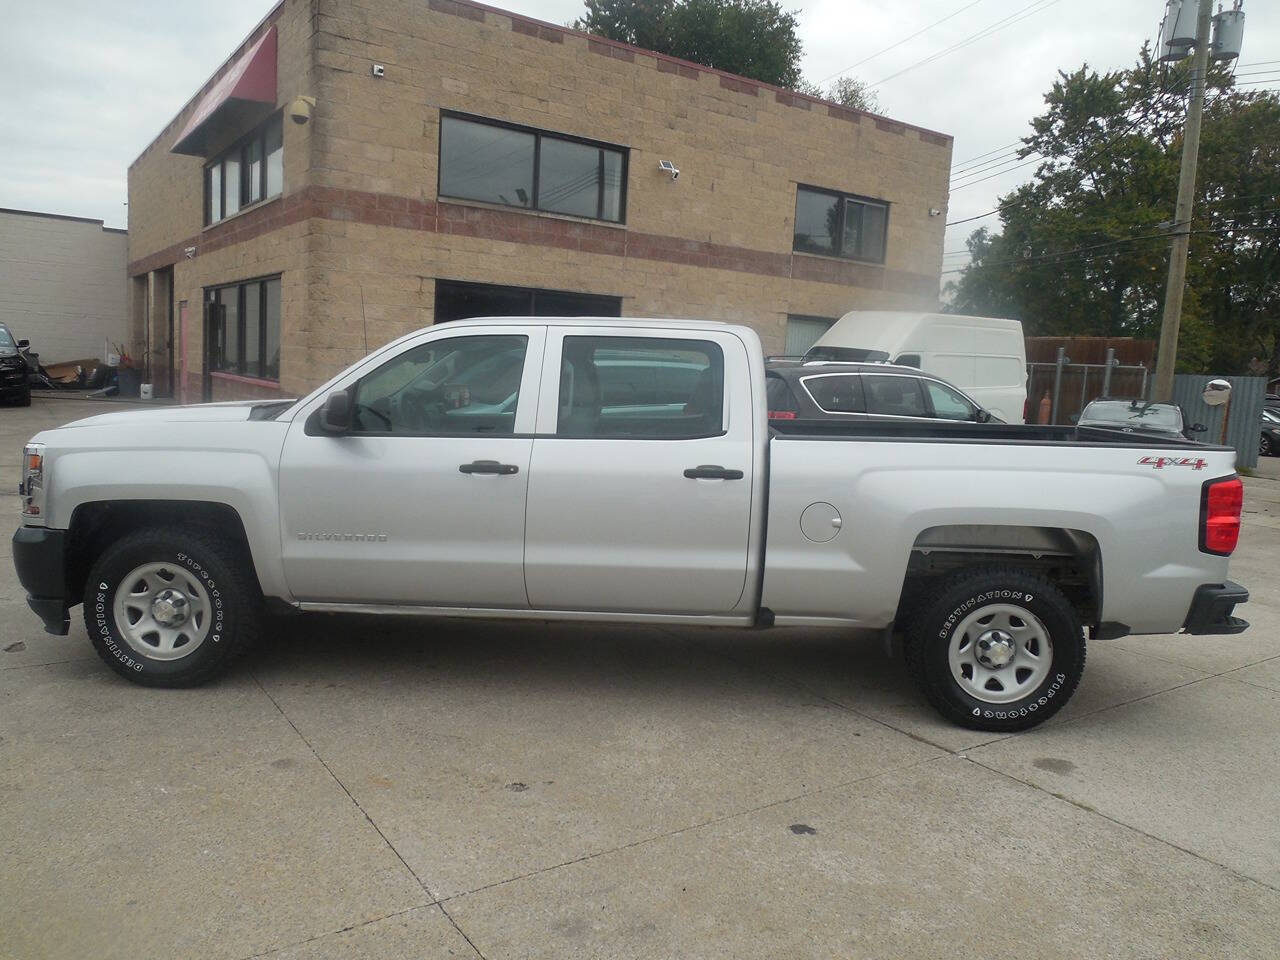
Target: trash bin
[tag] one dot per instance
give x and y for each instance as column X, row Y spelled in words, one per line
column 128, row 380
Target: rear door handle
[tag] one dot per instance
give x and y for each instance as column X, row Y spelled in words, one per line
column 712, row 472
column 489, row 466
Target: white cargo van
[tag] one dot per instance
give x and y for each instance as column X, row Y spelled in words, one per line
column 983, row 356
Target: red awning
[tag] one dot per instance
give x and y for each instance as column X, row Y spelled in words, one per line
column 239, row 94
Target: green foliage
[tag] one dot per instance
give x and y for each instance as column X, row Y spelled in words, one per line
column 846, row 91
column 754, row 38
column 1084, row 247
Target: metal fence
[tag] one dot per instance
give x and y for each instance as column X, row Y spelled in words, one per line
column 1241, row 417
column 1066, row 388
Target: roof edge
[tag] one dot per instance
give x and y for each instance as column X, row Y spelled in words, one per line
column 62, row 216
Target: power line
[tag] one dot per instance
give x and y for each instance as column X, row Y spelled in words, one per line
column 990, row 164
column 1030, row 10
column 981, row 216
column 963, row 163
column 900, row 42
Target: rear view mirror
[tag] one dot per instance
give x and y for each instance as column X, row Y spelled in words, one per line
column 335, row 415
column 23, row 344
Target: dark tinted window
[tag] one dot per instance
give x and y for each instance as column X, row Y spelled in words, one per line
column 817, row 222
column 838, row 225
column 479, row 161
column 457, row 300
column 837, row 393
column 496, row 163
column 250, row 171
column 462, row 385
column 243, row 332
column 894, row 396
column 780, row 397
column 640, row 387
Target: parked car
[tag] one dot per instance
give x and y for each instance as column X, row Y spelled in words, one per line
column 1139, row 416
column 984, row 356
column 818, row 390
column 1269, row 438
column 14, row 385
column 988, row 546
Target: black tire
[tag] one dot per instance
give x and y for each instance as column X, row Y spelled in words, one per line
column 939, row 618
column 231, row 596
column 25, row 399
column 1264, row 446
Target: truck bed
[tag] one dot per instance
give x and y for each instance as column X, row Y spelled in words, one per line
column 1002, row 433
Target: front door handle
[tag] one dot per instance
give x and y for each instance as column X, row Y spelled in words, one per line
column 712, row 472
column 489, row 466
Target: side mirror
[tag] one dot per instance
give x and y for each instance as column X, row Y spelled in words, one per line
column 23, row 344
column 1198, row 428
column 983, row 416
column 335, row 415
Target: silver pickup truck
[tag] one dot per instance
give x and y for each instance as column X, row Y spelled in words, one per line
column 623, row 470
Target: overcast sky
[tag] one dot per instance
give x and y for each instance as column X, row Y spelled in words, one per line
column 85, row 85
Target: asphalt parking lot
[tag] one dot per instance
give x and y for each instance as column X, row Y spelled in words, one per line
column 358, row 788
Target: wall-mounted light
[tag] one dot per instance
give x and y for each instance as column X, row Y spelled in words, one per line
column 666, row 166
column 379, row 70
column 935, row 212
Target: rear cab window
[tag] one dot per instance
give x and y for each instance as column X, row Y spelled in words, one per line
column 781, row 399
column 640, row 387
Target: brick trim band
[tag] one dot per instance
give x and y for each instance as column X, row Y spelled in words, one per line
column 460, row 219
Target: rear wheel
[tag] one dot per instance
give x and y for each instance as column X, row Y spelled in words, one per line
column 996, row 649
column 171, row 608
column 1264, row 446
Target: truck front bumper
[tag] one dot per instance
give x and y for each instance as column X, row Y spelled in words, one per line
column 1212, row 606
column 39, row 556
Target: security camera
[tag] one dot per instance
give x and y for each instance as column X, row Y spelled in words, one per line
column 666, row 166
column 300, row 109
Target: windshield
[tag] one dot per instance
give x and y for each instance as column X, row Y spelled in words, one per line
column 1143, row 416
column 6, row 338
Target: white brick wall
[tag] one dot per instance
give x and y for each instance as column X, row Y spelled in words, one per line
column 63, row 284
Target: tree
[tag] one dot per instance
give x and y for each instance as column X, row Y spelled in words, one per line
column 846, row 91
column 753, row 38
column 1083, row 248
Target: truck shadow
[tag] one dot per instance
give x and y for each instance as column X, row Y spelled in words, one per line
column 840, row 666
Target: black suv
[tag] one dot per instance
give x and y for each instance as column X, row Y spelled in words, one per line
column 14, row 385
column 831, row 390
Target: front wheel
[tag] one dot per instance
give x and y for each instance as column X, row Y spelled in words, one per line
column 1264, row 446
column 996, row 649
column 170, row 608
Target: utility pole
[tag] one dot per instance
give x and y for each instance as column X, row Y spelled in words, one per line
column 1167, row 356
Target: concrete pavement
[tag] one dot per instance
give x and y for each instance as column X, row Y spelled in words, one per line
column 363, row 788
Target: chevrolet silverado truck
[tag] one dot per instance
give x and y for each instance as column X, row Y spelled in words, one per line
column 624, row 470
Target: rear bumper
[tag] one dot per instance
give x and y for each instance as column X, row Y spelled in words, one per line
column 40, row 558
column 1212, row 607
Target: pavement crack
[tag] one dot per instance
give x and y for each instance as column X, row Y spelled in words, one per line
column 338, row 780
column 332, row 933
column 712, row 821
column 1123, row 825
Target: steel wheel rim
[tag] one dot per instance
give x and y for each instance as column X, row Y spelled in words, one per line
column 162, row 611
column 1029, row 664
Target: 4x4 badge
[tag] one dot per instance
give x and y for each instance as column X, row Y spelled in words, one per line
column 1159, row 463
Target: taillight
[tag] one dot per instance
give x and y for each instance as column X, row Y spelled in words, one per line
column 782, row 414
column 1220, row 503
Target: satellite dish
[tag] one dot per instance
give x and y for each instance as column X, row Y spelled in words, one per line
column 1217, row 392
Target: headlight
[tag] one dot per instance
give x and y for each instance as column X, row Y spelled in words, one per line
column 31, row 489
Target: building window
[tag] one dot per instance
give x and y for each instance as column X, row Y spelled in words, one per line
column 838, row 225
column 247, row 173
column 243, row 329
column 456, row 300
column 522, row 167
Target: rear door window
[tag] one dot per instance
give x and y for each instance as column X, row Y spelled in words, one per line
column 894, row 396
column 837, row 393
column 640, row 387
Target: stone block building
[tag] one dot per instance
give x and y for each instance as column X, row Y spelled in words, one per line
column 360, row 169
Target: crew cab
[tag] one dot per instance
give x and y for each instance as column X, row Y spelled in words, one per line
column 623, row 470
